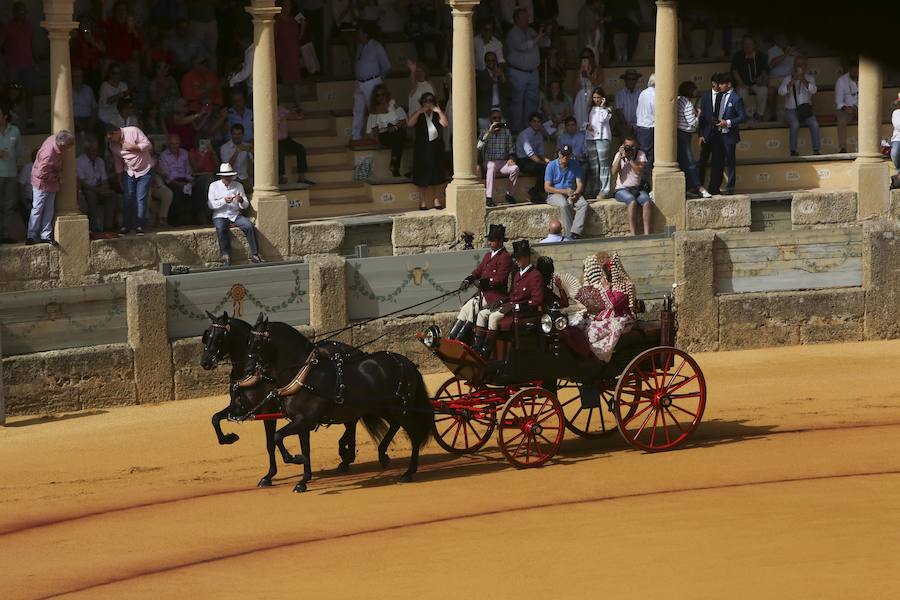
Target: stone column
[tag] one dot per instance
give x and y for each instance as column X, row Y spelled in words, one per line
column 695, row 291
column 881, row 264
column 465, row 194
column 148, row 336
column 668, row 180
column 871, row 177
column 328, row 294
column 71, row 229
column 2, row 397
column 270, row 204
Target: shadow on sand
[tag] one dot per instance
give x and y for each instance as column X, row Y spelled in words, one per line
column 53, row 418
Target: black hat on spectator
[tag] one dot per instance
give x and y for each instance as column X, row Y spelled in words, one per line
column 566, row 150
column 497, row 232
column 521, row 248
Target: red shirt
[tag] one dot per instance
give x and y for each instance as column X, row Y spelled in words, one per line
column 121, row 44
column 47, row 166
column 84, row 56
column 17, row 38
column 186, row 132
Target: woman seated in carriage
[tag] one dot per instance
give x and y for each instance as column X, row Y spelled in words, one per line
column 609, row 301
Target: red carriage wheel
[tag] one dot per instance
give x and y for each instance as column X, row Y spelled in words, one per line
column 531, row 427
column 592, row 422
column 466, row 426
column 660, row 399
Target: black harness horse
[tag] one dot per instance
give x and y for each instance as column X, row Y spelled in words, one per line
column 384, row 389
column 230, row 338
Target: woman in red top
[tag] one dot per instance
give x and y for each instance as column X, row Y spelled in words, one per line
column 87, row 48
column 123, row 40
column 289, row 30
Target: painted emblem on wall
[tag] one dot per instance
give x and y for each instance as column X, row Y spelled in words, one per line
column 417, row 273
column 792, row 176
column 238, row 292
column 387, row 198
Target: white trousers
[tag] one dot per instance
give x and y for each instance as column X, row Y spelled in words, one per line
column 469, row 310
column 361, row 101
column 762, row 94
column 490, row 319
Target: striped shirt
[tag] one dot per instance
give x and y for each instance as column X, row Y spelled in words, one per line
column 687, row 115
column 627, row 102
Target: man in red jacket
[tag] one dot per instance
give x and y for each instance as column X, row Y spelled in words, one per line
column 491, row 277
column 526, row 296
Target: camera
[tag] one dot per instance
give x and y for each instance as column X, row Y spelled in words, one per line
column 629, row 151
column 504, row 125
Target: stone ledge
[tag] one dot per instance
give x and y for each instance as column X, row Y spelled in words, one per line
column 29, row 263
column 529, row 221
column 414, row 232
column 894, row 211
column 730, row 213
column 824, row 207
column 316, row 237
column 70, row 379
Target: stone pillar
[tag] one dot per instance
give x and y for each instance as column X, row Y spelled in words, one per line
column 668, row 180
column 270, row 204
column 881, row 265
column 695, row 292
column 465, row 194
column 71, row 229
column 148, row 336
column 328, row 293
column 870, row 176
column 2, row 397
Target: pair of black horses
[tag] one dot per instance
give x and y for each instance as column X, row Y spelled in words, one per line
column 276, row 369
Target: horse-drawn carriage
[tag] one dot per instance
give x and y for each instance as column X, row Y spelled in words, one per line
column 540, row 386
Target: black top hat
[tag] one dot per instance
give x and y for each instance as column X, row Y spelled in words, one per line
column 521, row 248
column 497, row 232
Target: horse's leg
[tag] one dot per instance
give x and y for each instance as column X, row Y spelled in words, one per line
column 266, row 481
column 383, row 458
column 293, row 428
column 347, row 447
column 307, row 466
column 414, row 440
column 224, row 438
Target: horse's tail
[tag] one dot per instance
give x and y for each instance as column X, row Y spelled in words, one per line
column 376, row 426
column 423, row 414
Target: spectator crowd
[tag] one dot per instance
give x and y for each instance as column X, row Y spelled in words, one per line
column 162, row 95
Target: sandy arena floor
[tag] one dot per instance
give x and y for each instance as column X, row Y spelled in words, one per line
column 790, row 489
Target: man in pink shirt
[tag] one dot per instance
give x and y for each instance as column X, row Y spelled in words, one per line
column 133, row 147
column 17, row 41
column 45, row 174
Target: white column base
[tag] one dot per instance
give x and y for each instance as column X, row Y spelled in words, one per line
column 669, row 198
column 272, row 227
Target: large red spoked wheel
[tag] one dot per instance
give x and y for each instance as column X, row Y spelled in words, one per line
column 589, row 420
column 660, row 399
column 463, row 430
column 531, row 427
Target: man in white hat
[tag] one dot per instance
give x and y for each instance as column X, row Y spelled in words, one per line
column 227, row 199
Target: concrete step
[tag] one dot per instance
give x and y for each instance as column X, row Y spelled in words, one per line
column 328, row 156
column 312, row 121
column 336, row 190
column 332, row 174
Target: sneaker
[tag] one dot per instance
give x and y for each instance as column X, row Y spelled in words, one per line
column 489, row 202
column 256, row 259
column 510, row 199
column 705, row 194
column 226, row 259
column 52, row 242
column 139, row 231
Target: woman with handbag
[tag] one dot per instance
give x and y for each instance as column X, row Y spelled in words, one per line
column 798, row 89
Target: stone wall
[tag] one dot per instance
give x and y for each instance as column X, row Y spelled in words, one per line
column 823, row 209
column 29, row 267
column 415, row 233
column 67, row 380
column 729, row 213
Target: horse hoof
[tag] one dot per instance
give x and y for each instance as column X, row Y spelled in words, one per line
column 229, row 438
column 264, row 482
column 299, row 488
column 385, row 460
column 406, row 478
column 342, row 468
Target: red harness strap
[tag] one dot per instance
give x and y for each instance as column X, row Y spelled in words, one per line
column 268, row 417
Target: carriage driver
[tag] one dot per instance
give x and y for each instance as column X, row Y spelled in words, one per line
column 491, row 276
column 527, row 296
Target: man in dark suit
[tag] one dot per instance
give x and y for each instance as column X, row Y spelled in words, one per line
column 526, row 296
column 491, row 277
column 705, row 126
column 727, row 115
column 491, row 90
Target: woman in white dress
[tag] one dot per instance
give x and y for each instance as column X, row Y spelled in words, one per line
column 590, row 75
column 388, row 122
column 609, row 299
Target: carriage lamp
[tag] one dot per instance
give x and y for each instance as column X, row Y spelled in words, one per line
column 560, row 323
column 547, row 323
column 432, row 336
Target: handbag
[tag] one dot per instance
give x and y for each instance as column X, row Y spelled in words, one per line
column 805, row 110
column 310, row 60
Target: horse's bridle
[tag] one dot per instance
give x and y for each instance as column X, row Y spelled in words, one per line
column 220, row 352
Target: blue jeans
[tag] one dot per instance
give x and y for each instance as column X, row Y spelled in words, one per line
column 790, row 115
column 43, row 208
column 627, row 196
column 895, row 155
column 525, row 96
column 686, row 160
column 137, row 188
column 242, row 223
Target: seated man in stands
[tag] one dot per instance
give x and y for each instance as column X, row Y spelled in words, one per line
column 527, row 296
column 100, row 201
column 530, row 150
column 498, row 155
column 238, row 152
column 564, row 186
column 491, row 277
column 226, row 200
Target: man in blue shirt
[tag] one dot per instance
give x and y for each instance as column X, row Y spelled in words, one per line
column 563, row 184
column 571, row 136
column 523, row 57
column 530, row 152
column 371, row 67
